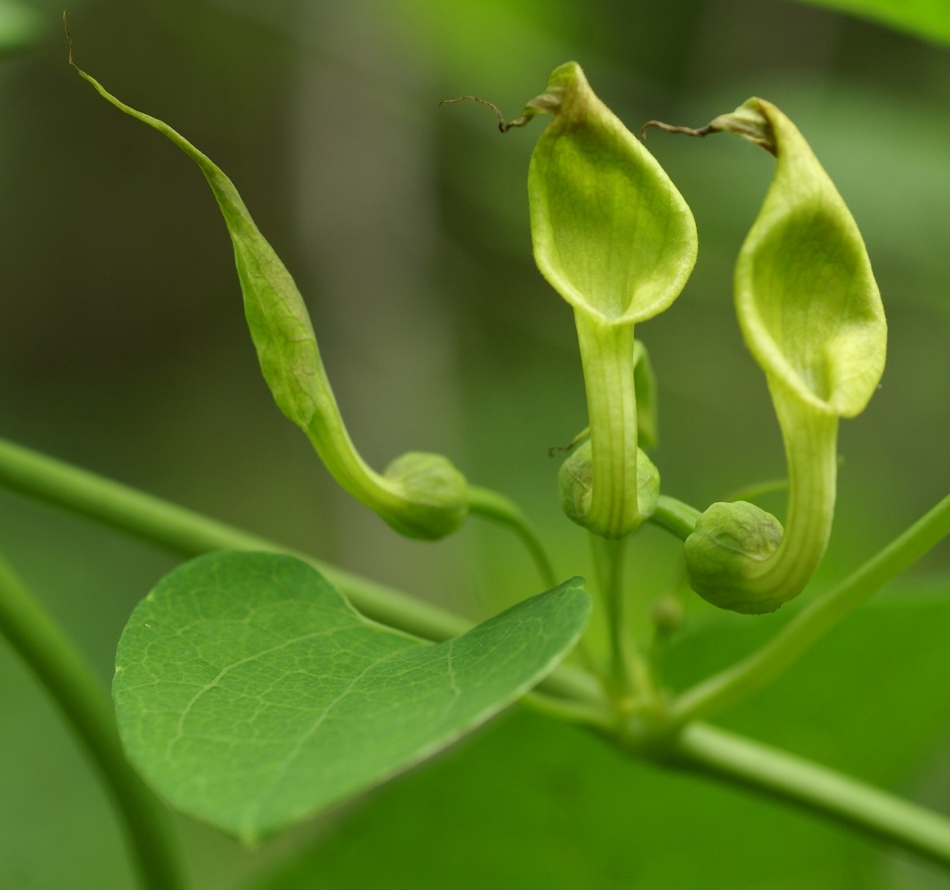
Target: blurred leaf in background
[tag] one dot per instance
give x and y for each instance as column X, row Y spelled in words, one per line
column 927, row 18
column 21, row 26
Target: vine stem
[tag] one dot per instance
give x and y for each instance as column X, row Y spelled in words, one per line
column 696, row 746
column 750, row 764
column 497, row 508
column 676, row 517
column 628, row 675
column 69, row 681
column 189, row 534
column 735, row 683
column 608, row 563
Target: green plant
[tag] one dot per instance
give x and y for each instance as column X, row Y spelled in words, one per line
column 251, row 694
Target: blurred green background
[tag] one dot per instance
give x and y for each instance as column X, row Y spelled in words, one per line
column 123, row 349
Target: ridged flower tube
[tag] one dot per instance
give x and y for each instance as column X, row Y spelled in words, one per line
column 420, row 495
column 811, row 315
column 615, row 238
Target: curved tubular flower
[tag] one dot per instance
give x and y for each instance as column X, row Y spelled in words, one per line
column 615, row 238
column 420, row 495
column 811, row 315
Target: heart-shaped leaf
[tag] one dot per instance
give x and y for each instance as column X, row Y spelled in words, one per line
column 251, row 694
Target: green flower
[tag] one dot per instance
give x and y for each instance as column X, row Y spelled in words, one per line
column 811, row 315
column 420, row 495
column 615, row 238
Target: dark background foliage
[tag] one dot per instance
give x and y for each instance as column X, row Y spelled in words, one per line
column 123, row 349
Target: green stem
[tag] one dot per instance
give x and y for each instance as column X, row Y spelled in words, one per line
column 759, row 489
column 624, row 662
column 793, row 779
column 679, row 518
column 810, row 438
column 628, row 673
column 190, row 534
column 497, row 508
column 607, row 356
column 187, row 533
column 570, row 711
column 676, row 517
column 61, row 669
column 814, row 621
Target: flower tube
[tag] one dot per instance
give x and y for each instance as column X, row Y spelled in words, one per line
column 616, row 240
column 811, row 315
column 420, row 495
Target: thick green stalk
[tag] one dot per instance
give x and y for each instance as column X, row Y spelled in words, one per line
column 733, row 684
column 750, row 764
column 810, row 440
column 607, row 356
column 188, row 533
column 68, row 680
column 627, row 673
column 676, row 517
column 608, row 559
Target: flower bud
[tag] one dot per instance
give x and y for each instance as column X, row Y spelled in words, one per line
column 435, row 492
column 575, row 482
column 723, row 554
